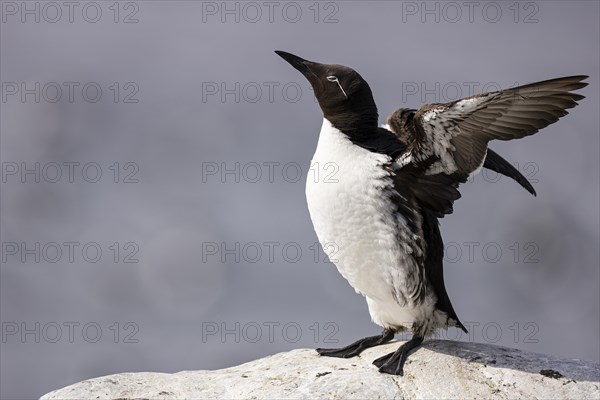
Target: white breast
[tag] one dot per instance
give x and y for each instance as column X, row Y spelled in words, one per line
column 352, row 213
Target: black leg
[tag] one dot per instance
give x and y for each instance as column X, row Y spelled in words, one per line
column 355, row 348
column 393, row 363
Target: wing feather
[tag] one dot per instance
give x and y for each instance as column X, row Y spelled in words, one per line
column 457, row 133
column 447, row 142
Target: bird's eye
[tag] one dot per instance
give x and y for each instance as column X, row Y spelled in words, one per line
column 333, row 78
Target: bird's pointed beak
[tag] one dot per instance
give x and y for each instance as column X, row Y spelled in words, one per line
column 297, row 62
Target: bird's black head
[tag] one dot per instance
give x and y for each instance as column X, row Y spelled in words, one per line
column 344, row 96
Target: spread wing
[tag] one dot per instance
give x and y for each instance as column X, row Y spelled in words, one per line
column 445, row 143
column 452, row 138
column 401, row 123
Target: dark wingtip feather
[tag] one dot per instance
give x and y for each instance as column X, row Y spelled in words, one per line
column 530, row 189
column 496, row 163
column 521, row 180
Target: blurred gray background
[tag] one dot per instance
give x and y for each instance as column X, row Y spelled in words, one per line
column 185, row 279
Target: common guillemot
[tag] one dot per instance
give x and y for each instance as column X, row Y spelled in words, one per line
column 395, row 181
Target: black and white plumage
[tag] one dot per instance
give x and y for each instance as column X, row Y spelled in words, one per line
column 395, row 181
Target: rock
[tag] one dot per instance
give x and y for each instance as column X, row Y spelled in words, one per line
column 439, row 369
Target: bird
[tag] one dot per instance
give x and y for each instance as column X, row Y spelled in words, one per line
column 395, row 181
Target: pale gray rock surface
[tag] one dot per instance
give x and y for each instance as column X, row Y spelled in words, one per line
column 439, row 369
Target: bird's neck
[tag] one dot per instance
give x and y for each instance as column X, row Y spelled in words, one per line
column 362, row 130
column 356, row 122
